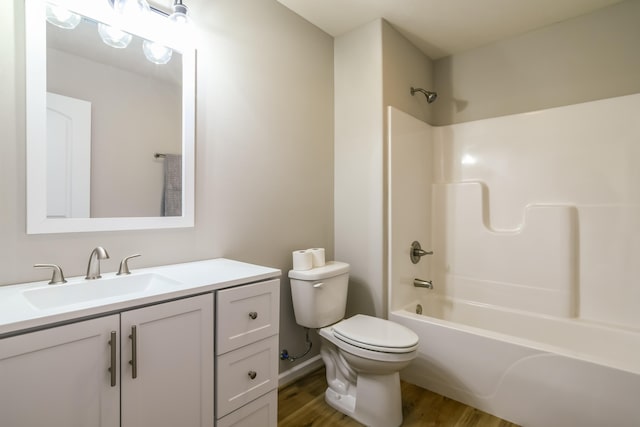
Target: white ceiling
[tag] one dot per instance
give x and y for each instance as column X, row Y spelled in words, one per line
column 444, row 27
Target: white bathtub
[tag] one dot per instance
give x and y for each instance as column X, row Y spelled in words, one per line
column 533, row 370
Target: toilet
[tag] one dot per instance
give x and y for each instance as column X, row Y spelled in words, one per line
column 362, row 354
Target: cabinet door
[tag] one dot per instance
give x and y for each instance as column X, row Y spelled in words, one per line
column 169, row 382
column 60, row 377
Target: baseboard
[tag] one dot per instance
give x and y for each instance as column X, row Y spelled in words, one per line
column 299, row 371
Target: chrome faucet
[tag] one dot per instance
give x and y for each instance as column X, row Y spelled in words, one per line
column 93, row 268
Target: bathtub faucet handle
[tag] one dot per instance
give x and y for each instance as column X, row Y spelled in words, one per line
column 417, row 252
column 420, row 252
column 419, row 283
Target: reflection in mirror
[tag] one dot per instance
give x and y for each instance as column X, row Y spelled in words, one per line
column 109, row 133
column 135, row 111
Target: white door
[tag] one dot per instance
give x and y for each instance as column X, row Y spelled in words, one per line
column 68, row 157
column 168, row 382
column 60, row 377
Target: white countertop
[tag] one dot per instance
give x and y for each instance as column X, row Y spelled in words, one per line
column 18, row 314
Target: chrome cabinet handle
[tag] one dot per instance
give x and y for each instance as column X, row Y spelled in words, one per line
column 252, row 374
column 112, row 367
column 253, row 315
column 134, row 352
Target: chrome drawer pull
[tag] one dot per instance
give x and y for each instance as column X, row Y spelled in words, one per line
column 252, row 375
column 253, row 315
column 134, row 352
column 112, row 368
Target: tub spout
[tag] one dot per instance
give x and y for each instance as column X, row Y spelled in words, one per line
column 419, row 283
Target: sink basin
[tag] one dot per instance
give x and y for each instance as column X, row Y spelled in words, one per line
column 92, row 290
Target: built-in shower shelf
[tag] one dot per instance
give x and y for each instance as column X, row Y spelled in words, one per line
column 533, row 267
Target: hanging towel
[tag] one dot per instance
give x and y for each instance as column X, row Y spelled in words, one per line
column 172, row 195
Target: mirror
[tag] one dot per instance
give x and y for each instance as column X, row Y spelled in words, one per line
column 110, row 135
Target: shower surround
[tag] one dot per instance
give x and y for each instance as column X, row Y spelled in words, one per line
column 534, row 220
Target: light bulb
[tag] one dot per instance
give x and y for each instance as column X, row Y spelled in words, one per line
column 156, row 53
column 113, row 36
column 61, row 17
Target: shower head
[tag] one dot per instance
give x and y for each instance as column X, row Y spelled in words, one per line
column 431, row 96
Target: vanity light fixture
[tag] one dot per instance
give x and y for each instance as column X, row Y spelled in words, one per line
column 61, row 17
column 131, row 11
column 158, row 53
column 138, row 9
column 180, row 15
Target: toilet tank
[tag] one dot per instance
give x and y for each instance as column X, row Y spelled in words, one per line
column 320, row 294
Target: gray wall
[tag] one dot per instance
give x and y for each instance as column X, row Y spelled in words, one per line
column 358, row 160
column 375, row 66
column 264, row 150
column 590, row 57
column 405, row 66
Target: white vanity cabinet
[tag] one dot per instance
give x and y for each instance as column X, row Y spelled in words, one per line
column 188, row 345
column 62, row 376
column 247, row 319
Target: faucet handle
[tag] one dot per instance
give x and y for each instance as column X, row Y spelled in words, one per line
column 124, row 265
column 57, row 276
column 417, row 252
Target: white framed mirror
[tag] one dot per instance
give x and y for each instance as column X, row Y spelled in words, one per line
column 110, row 135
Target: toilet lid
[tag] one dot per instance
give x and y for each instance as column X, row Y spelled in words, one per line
column 376, row 334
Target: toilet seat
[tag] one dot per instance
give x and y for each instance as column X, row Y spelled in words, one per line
column 375, row 334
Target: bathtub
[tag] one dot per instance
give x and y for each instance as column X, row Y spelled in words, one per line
column 533, row 370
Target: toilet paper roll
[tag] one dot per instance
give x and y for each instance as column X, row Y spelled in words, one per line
column 318, row 256
column 302, row 260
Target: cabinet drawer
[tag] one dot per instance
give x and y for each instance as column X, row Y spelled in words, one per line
column 262, row 412
column 246, row 374
column 247, row 314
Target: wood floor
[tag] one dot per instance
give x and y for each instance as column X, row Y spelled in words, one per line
column 302, row 404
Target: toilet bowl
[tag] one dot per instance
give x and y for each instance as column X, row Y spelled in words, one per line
column 362, row 354
column 363, row 362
